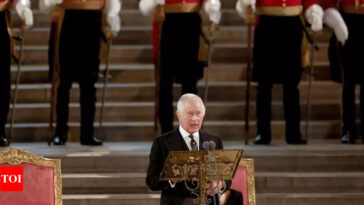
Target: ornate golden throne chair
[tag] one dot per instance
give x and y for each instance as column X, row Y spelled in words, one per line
column 42, row 183
column 244, row 182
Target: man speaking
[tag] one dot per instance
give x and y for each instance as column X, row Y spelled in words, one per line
column 190, row 113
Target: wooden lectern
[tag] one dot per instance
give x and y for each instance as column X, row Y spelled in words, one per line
column 201, row 167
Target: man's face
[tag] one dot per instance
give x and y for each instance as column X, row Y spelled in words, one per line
column 191, row 116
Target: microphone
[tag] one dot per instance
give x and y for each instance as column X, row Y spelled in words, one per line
column 206, row 145
column 212, row 145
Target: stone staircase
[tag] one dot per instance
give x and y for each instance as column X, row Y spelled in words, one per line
column 321, row 173
column 130, row 93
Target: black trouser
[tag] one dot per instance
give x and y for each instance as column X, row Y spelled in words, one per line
column 79, row 50
column 291, row 105
column 4, row 71
column 353, row 74
column 348, row 99
column 179, row 61
column 166, row 100
column 87, row 103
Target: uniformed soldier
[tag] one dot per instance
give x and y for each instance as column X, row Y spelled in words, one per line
column 76, row 34
column 179, row 47
column 22, row 8
column 349, row 27
column 277, row 59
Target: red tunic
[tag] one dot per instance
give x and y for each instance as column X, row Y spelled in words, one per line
column 346, row 6
column 283, row 7
column 5, row 4
column 83, row 4
column 286, row 3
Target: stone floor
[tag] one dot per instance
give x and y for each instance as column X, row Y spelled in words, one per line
column 320, row 173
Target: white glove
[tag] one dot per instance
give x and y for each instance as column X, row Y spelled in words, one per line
column 212, row 8
column 314, row 15
column 46, row 6
column 113, row 8
column 147, row 7
column 334, row 20
column 22, row 7
column 114, row 23
column 241, row 6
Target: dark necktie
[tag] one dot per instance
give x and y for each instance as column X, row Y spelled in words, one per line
column 193, row 144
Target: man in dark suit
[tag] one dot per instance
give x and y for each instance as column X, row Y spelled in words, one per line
column 190, row 113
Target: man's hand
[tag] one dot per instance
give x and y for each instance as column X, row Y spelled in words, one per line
column 212, row 188
column 113, row 8
column 314, row 15
column 46, row 6
column 334, row 20
column 212, row 8
column 173, row 183
column 241, row 6
column 27, row 15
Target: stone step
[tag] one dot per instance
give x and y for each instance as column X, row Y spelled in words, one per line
column 322, row 182
column 116, row 131
column 111, row 199
column 143, row 111
column 132, row 4
column 142, row 92
column 144, row 73
column 132, row 157
column 130, row 17
column 261, row 199
column 136, row 54
column 104, row 183
column 310, row 198
column 265, row 182
column 136, row 34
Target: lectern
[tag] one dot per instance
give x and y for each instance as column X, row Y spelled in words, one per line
column 200, row 167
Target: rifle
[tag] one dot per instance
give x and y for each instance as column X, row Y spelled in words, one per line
column 209, row 60
column 249, row 20
column 15, row 94
column 159, row 18
column 106, row 77
column 55, row 79
column 310, row 76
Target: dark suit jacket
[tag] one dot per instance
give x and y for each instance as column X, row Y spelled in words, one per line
column 162, row 145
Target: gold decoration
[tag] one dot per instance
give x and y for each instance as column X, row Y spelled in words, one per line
column 182, row 8
column 249, row 163
column 15, row 156
column 5, row 5
column 279, row 11
column 201, row 167
column 352, row 9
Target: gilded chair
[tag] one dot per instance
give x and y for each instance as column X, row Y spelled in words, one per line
column 244, row 183
column 42, row 183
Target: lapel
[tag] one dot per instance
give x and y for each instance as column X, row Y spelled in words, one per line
column 176, row 142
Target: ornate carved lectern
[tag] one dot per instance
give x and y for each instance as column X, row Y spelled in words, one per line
column 200, row 168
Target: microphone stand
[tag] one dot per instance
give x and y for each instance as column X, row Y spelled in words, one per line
column 206, row 146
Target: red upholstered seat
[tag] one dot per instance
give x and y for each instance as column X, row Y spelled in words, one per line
column 243, row 181
column 41, row 179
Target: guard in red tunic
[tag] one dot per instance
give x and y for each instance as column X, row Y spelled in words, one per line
column 277, row 59
column 77, row 30
column 22, row 8
column 349, row 30
column 179, row 47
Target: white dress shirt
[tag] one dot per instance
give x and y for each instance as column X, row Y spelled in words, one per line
column 185, row 135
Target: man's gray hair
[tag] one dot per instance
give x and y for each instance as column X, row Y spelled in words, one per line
column 186, row 97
